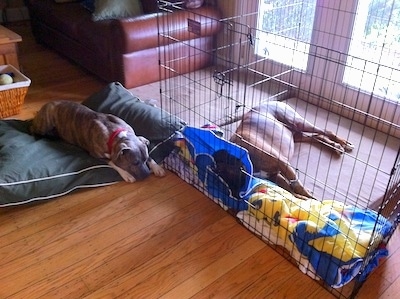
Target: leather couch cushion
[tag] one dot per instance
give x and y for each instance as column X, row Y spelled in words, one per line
column 66, row 17
column 141, row 32
column 73, row 20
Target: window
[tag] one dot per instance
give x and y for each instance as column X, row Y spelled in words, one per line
column 285, row 28
column 367, row 32
column 374, row 53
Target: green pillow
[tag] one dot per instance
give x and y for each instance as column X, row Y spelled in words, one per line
column 33, row 169
column 157, row 125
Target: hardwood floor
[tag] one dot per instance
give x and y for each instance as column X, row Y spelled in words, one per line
column 151, row 239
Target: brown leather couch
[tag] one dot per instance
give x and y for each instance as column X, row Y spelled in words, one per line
column 126, row 50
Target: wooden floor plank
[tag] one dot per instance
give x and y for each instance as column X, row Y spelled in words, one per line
column 196, row 283
column 242, row 276
column 45, row 260
column 59, row 225
column 130, row 253
column 174, row 263
column 198, row 263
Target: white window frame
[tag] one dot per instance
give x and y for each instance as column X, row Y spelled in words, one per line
column 333, row 28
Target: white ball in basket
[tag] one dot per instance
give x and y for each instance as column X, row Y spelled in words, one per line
column 5, row 79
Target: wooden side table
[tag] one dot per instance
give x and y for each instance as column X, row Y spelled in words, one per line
column 8, row 47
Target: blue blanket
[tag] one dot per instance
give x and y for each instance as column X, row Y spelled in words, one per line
column 333, row 237
column 201, row 144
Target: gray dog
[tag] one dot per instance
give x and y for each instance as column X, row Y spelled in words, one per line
column 104, row 136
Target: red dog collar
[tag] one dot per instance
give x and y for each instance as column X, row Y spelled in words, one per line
column 112, row 137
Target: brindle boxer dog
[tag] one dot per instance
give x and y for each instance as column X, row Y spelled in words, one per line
column 104, row 136
column 269, row 131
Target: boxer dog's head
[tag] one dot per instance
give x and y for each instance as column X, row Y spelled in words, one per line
column 131, row 154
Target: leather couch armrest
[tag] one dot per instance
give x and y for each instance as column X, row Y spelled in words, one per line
column 142, row 32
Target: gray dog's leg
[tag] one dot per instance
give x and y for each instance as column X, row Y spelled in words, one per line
column 123, row 173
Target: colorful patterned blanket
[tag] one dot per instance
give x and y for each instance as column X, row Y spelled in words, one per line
column 328, row 239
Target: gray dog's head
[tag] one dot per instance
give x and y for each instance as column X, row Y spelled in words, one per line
column 132, row 155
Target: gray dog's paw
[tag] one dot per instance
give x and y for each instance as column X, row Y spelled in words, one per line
column 155, row 168
column 159, row 171
column 128, row 178
column 123, row 173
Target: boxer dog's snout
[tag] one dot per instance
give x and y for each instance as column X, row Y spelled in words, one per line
column 134, row 159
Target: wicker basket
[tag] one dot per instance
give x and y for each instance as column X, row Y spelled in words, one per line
column 12, row 96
